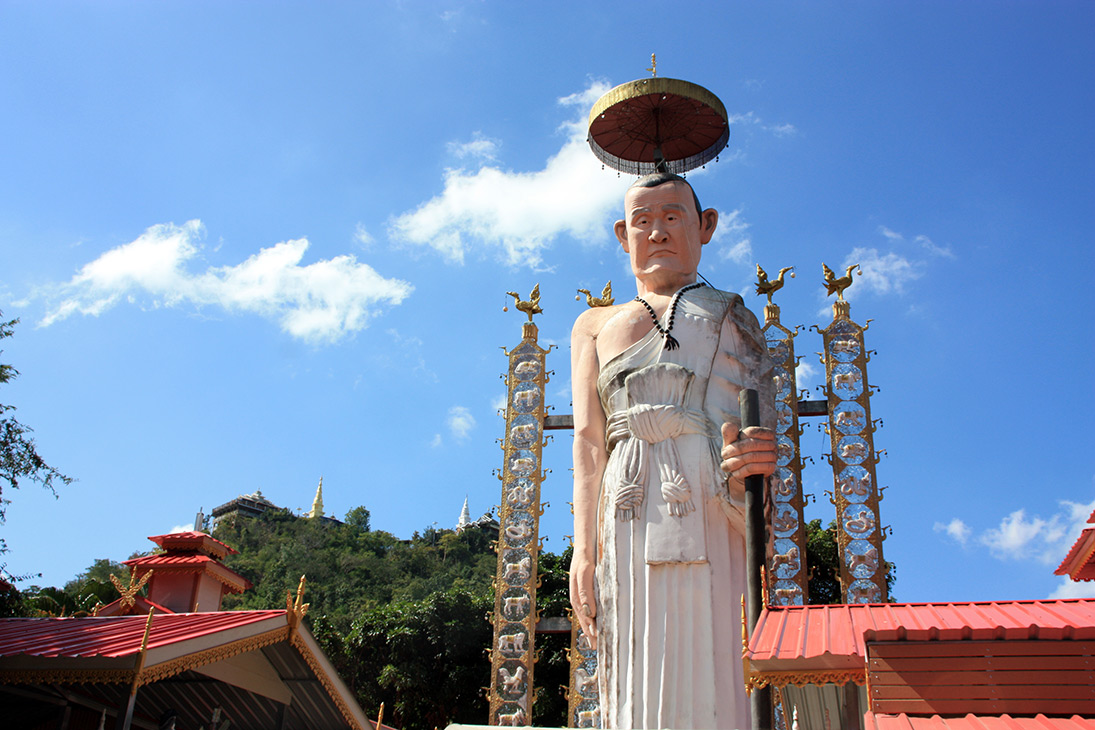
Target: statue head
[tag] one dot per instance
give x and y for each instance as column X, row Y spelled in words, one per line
column 663, row 231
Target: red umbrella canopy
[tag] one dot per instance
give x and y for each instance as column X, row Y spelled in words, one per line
column 658, row 124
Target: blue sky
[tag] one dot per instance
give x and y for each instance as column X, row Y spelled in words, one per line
column 255, row 244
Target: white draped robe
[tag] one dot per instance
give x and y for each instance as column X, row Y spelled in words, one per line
column 670, row 573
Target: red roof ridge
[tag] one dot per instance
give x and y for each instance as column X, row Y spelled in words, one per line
column 203, row 542
column 1019, row 601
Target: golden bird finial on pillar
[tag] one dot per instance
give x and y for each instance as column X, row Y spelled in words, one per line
column 771, row 287
column 653, row 65
column 605, row 300
column 529, row 306
column 833, row 285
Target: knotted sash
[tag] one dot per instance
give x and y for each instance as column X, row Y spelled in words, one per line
column 646, row 433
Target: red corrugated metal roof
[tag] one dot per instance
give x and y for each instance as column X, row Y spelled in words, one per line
column 874, row 721
column 193, row 540
column 115, row 636
column 835, row 636
column 170, row 560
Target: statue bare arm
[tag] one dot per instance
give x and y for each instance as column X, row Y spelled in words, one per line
column 590, row 457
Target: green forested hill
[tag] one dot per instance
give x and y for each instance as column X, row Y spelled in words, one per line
column 350, row 568
column 405, row 622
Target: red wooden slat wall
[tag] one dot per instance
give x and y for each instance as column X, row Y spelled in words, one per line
column 982, row 677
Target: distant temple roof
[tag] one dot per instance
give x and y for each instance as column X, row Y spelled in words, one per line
column 249, row 503
column 1079, row 564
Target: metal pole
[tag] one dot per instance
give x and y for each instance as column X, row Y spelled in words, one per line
column 760, row 699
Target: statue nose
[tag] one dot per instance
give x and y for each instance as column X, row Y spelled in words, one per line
column 657, row 234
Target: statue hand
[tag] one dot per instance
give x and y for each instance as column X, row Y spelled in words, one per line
column 581, row 595
column 747, row 453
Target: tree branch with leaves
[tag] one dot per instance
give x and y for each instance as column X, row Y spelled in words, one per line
column 19, row 458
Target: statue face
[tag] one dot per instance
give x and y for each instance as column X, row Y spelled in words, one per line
column 663, row 234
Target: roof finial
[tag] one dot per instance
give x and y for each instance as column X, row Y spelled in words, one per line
column 653, row 65
column 129, row 592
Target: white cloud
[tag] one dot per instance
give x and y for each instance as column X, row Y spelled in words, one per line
column 362, row 237
column 935, row 250
column 1045, row 539
column 461, row 422
column 180, row 528
column 752, row 120
column 479, row 147
column 731, row 237
column 1016, row 533
column 519, row 214
column 318, row 302
column 956, row 528
column 435, row 441
column 882, row 273
column 805, row 373
column 499, row 403
column 1069, row 588
column 926, row 243
column 891, row 235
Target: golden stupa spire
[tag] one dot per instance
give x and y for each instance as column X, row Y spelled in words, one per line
column 317, row 503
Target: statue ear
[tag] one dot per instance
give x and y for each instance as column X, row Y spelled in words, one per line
column 620, row 230
column 709, row 220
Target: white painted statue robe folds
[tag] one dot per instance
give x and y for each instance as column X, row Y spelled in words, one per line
column 671, row 549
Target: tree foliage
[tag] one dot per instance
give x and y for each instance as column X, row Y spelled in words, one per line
column 823, row 560
column 424, row 659
column 552, row 673
column 350, row 568
column 78, row 597
column 19, row 458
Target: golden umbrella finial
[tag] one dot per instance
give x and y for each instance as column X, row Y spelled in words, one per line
column 653, row 65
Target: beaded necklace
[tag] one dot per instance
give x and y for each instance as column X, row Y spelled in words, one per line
column 670, row 341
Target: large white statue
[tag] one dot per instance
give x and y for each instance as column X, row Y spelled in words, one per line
column 659, row 553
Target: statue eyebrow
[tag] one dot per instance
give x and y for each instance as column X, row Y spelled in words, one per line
column 667, row 206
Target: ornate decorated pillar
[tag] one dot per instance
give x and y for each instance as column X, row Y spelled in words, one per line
column 787, row 538
column 583, row 699
column 513, row 650
column 853, row 458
